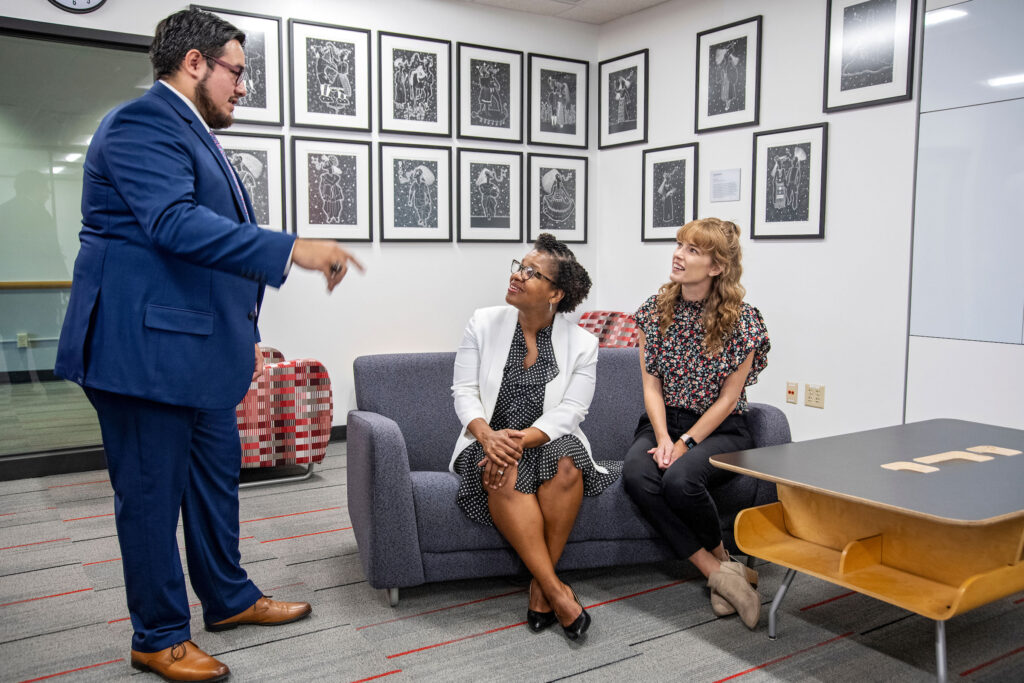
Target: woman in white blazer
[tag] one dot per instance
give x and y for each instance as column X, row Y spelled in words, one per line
column 524, row 379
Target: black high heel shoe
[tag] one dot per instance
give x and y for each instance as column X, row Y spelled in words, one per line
column 577, row 628
column 538, row 621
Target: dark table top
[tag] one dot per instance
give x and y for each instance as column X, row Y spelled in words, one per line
column 850, row 466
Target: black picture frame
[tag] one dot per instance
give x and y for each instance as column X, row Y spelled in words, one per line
column 243, row 151
column 353, row 105
column 618, row 90
column 571, row 106
column 660, row 189
column 496, row 120
column 886, row 72
column 433, row 100
column 388, row 154
column 733, row 107
column 469, row 182
column 341, row 158
column 788, row 192
column 263, row 73
column 545, row 213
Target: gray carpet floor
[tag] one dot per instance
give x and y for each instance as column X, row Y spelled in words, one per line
column 63, row 617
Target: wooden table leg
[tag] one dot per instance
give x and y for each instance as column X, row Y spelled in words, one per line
column 779, row 595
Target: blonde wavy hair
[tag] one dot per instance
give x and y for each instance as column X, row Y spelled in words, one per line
column 720, row 240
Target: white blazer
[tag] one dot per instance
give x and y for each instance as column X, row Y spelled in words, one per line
column 480, row 366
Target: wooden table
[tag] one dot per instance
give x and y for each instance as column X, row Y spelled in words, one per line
column 853, row 511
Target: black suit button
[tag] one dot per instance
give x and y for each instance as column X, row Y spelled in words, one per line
column 252, row 315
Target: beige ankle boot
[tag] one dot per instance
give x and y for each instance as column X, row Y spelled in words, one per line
column 719, row 605
column 735, row 590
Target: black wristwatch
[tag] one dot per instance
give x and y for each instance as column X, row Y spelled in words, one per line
column 688, row 441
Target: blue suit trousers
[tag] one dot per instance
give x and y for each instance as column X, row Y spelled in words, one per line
column 166, row 459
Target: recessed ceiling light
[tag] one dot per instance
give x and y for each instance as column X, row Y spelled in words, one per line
column 1015, row 79
column 940, row 16
column 72, row 158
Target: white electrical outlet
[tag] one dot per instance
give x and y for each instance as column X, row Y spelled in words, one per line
column 792, row 389
column 23, row 340
column 814, row 395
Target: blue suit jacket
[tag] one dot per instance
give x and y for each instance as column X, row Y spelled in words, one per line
column 168, row 282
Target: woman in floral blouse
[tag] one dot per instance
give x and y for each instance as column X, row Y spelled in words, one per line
column 700, row 345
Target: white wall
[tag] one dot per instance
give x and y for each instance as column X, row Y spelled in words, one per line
column 415, row 297
column 836, row 309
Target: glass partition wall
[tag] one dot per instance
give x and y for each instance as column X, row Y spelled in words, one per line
column 56, row 85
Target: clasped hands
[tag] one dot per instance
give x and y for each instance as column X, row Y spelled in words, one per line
column 502, row 450
column 667, row 452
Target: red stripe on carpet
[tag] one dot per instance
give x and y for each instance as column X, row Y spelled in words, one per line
column 243, row 538
column 1017, row 602
column 783, row 658
column 114, row 621
column 633, row 595
column 78, row 519
column 315, row 533
column 287, row 585
column 291, row 514
column 992, row 661
column 455, row 640
column 503, row 628
column 82, row 483
column 71, row 671
column 113, row 559
column 825, row 602
column 442, row 609
column 371, row 678
column 25, row 545
column 44, row 597
column 8, row 514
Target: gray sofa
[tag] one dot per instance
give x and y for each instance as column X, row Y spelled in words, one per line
column 401, row 496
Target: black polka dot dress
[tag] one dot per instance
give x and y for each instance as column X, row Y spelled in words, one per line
column 521, row 403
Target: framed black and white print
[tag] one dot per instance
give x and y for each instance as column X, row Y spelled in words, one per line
column 415, row 193
column 869, row 52
column 789, row 183
column 669, row 191
column 728, row 76
column 557, row 191
column 415, row 84
column 490, row 93
column 490, row 198
column 622, row 101
column 331, row 189
column 264, row 101
column 330, row 77
column 258, row 161
column 558, row 95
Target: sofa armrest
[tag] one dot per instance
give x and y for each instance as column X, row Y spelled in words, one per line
column 380, row 501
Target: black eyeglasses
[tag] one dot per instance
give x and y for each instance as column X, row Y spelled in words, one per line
column 530, row 271
column 239, row 71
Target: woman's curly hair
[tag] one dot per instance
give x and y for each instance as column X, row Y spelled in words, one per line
column 720, row 240
column 572, row 278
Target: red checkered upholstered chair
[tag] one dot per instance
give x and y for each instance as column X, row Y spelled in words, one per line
column 612, row 328
column 285, row 418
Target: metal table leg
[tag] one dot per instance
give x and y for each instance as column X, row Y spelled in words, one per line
column 788, row 579
column 940, row 651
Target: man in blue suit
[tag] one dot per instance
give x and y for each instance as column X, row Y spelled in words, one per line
column 161, row 333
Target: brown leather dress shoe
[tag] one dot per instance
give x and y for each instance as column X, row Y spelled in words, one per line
column 265, row 612
column 181, row 662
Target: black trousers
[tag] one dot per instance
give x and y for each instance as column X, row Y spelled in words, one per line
column 676, row 500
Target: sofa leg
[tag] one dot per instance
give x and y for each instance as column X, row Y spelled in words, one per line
column 279, row 480
column 392, row 596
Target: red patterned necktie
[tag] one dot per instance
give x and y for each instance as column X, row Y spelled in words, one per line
column 234, row 177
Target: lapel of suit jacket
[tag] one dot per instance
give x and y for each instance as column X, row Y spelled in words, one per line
column 560, row 344
column 496, row 350
column 205, row 137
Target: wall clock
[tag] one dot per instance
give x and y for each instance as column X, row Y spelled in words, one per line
column 78, row 6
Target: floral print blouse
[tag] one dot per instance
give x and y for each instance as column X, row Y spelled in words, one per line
column 690, row 379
